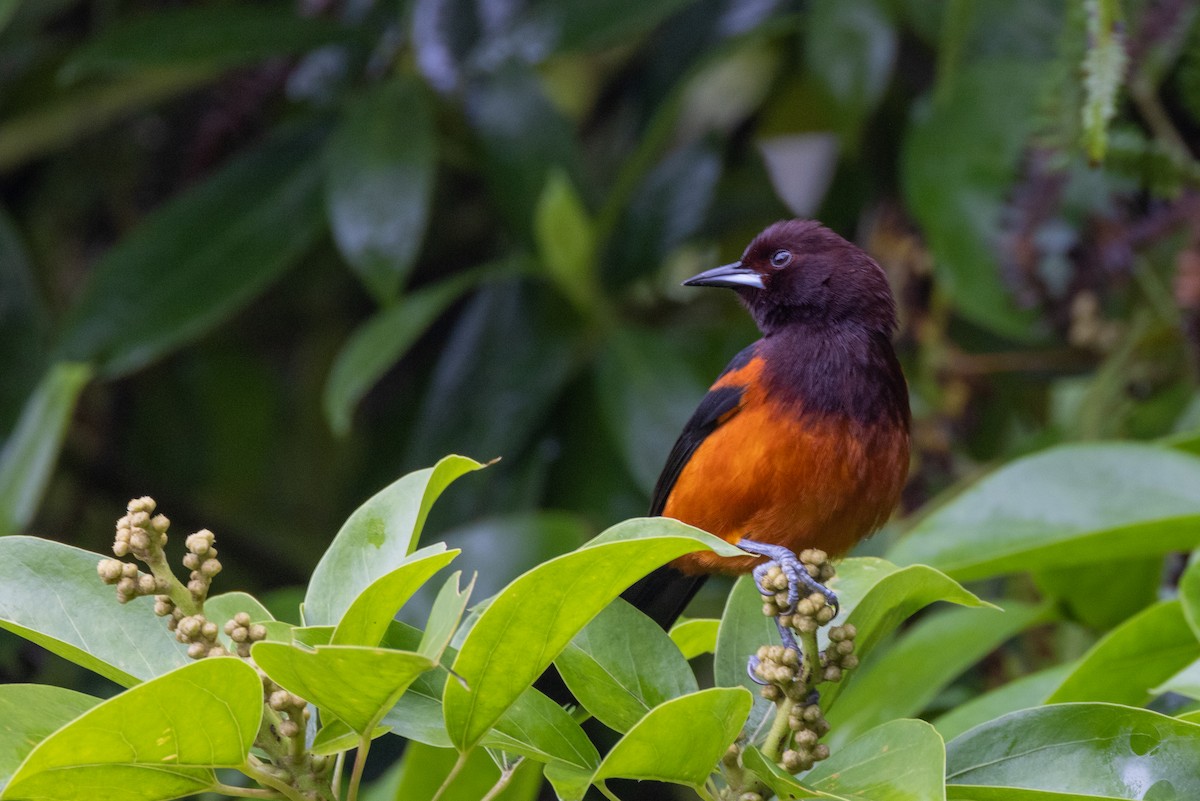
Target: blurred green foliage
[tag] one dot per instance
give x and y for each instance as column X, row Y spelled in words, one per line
column 259, row 259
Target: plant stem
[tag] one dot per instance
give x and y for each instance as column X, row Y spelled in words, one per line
column 244, row 792
column 255, row 770
column 451, row 776
column 360, row 762
column 773, row 745
column 336, row 781
column 607, row 793
column 812, row 655
column 505, row 777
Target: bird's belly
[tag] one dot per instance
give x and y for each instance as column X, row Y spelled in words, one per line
column 816, row 481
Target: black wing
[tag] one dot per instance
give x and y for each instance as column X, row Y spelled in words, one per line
column 709, row 414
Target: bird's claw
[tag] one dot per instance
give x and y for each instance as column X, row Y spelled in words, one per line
column 795, row 571
column 752, row 668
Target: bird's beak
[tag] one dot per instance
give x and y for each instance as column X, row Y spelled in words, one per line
column 733, row 275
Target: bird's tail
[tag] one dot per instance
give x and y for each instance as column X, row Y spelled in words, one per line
column 664, row 594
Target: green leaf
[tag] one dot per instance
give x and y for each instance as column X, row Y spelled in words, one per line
column 380, row 342
column 850, row 48
column 31, row 713
column 376, row 539
column 211, row 37
column 24, row 321
column 1130, row 660
column 1089, row 749
column 424, row 768
column 566, row 240
column 532, row 620
column 71, row 115
column 159, row 740
column 1185, row 682
column 50, row 594
column 445, row 616
column 1026, row 691
column 335, row 736
column 369, row 615
column 30, row 452
column 200, row 257
column 653, row 748
column 584, row 25
column 622, row 664
column 522, row 137
column 696, row 636
column 379, row 179
column 355, row 683
column 1189, row 592
column 957, row 186
column 903, row 760
column 1072, row 504
column 903, row 680
column 536, row 727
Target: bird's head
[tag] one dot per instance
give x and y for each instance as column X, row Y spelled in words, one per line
column 798, row 271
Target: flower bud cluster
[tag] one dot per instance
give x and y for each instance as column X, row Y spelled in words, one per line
column 808, row 725
column 139, row 534
column 292, row 707
column 783, row 671
column 244, row 633
column 839, row 656
column 201, row 559
column 131, row 583
column 198, row 632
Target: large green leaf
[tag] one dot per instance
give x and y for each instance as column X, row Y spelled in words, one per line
column 903, row 680
column 653, row 749
column 1027, row 691
column 1129, row 661
column 200, row 257
column 1067, row 505
column 31, row 713
column 376, row 539
column 903, row 760
column 532, row 620
column 160, row 740
column 379, row 179
column 1095, row 750
column 365, row 622
column 622, row 664
column 31, row 451
column 24, row 322
column 1189, row 592
column 695, row 636
column 355, row 683
column 850, row 48
column 50, row 594
column 423, row 769
column 959, row 160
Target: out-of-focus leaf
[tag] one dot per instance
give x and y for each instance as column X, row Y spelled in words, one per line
column 696, row 636
column 24, row 324
column 959, row 159
column 523, row 137
column 210, row 37
column 7, row 9
column 368, row 616
column 584, row 25
column 1026, row 691
column 31, row 713
column 1085, row 589
column 377, row 538
column 668, row 206
column 356, row 684
column 621, row 665
column 200, row 257
column 850, row 47
column 566, row 240
column 505, row 362
column 31, row 450
column 646, row 394
column 1094, row 750
column 1103, row 71
column 532, row 620
column 50, row 594
column 901, row 682
column 1189, row 592
column 1185, row 682
column 379, row 177
column 380, row 342
column 159, row 740
column 1129, row 661
column 76, row 113
column 903, row 760
column 1069, row 505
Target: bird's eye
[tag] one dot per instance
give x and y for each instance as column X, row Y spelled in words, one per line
column 781, row 258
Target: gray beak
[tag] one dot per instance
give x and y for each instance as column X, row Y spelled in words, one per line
column 733, row 275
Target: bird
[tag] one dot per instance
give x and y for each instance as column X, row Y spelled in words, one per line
column 803, row 440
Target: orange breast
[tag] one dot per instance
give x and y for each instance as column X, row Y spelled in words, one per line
column 777, row 474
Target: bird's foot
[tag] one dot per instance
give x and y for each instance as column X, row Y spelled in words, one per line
column 793, row 568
